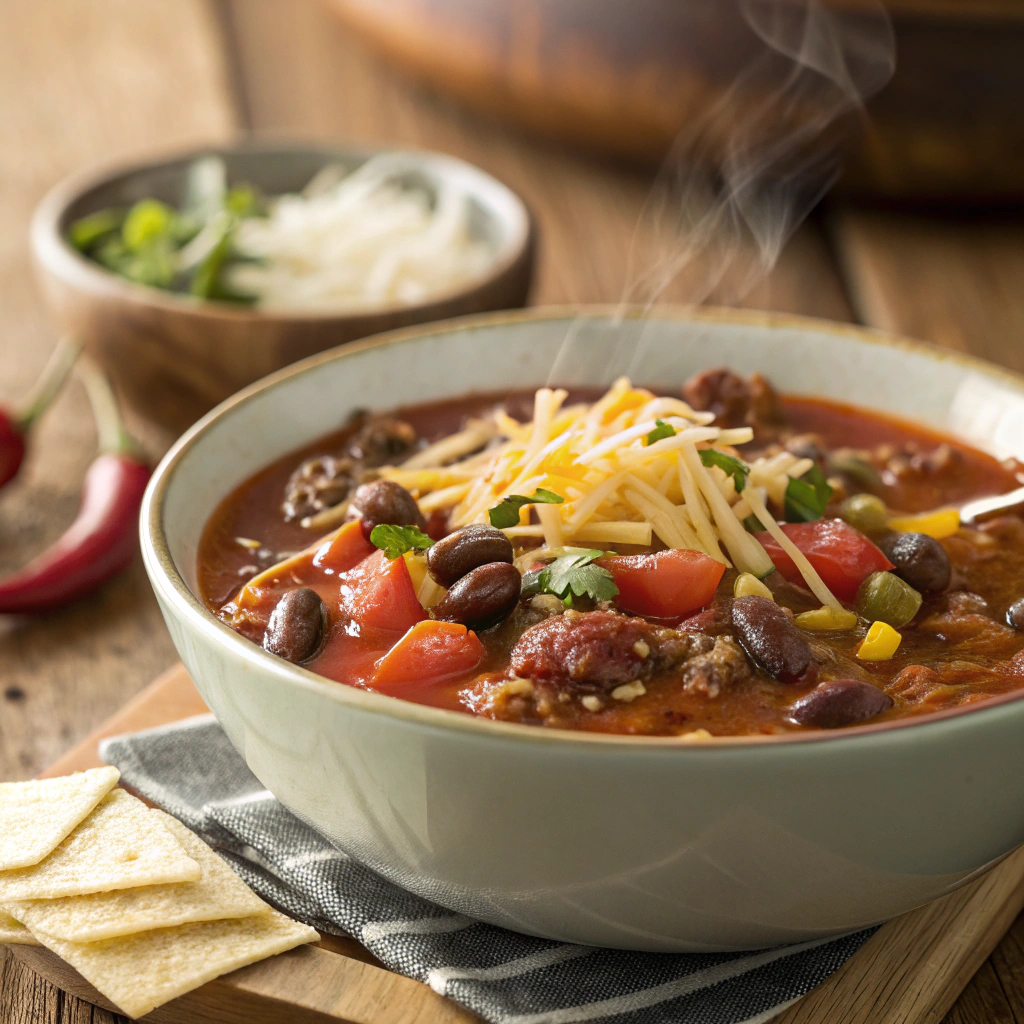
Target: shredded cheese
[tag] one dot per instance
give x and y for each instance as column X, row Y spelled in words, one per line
column 361, row 240
column 616, row 488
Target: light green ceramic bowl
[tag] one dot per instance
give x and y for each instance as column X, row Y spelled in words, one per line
column 621, row 841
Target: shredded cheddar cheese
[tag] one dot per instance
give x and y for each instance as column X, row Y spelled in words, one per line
column 623, row 478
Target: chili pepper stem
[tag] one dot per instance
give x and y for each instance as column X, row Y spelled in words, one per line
column 112, row 436
column 48, row 384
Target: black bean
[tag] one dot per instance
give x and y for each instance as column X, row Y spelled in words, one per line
column 1015, row 614
column 773, row 641
column 297, row 626
column 839, row 702
column 919, row 559
column 384, row 501
column 466, row 549
column 483, row 597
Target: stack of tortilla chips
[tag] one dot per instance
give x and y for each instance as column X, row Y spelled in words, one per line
column 140, row 906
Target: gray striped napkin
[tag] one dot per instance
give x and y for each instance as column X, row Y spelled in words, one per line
column 192, row 771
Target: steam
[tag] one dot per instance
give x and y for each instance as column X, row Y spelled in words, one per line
column 740, row 180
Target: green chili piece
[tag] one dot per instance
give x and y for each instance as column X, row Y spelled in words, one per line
column 865, row 512
column 883, row 597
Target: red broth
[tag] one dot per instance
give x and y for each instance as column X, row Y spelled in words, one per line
column 958, row 649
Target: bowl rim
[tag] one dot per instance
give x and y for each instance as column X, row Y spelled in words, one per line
column 58, row 257
column 169, row 584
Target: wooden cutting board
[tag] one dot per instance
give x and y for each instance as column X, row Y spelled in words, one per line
column 910, row 971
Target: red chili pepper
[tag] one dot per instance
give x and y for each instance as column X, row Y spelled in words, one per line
column 101, row 540
column 15, row 426
column 12, row 446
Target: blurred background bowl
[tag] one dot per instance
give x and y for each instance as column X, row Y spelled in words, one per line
column 175, row 356
column 625, row 78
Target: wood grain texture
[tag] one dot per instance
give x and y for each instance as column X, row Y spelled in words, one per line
column 308, row 985
column 958, row 281
column 914, row 968
column 79, row 83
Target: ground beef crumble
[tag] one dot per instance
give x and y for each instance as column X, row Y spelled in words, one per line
column 595, row 653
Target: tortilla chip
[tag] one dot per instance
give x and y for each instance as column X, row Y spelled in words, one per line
column 15, row 933
column 142, row 971
column 38, row 815
column 219, row 894
column 120, row 845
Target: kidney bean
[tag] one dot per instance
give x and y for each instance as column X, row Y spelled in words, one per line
column 919, row 559
column 384, row 501
column 483, row 597
column 466, row 549
column 297, row 626
column 839, row 702
column 772, row 640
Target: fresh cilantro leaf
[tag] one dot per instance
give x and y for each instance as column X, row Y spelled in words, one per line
column 572, row 575
column 506, row 512
column 661, row 431
column 807, row 497
column 394, row 541
column 736, row 468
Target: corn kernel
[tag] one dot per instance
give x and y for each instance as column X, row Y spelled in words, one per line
column 880, row 644
column 826, row 618
column 417, row 566
column 748, row 585
column 942, row 523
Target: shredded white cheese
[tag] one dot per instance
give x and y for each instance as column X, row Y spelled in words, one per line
column 365, row 240
column 616, row 488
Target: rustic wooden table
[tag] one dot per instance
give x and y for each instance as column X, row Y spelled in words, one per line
column 87, row 82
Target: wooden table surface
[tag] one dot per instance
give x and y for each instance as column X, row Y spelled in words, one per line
column 82, row 82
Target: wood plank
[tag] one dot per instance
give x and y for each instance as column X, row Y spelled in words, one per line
column 304, row 73
column 79, row 83
column 913, row 968
column 335, row 982
column 956, row 281
column 983, row 1001
column 308, row 985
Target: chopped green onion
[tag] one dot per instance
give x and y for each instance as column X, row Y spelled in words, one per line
column 147, row 221
column 87, row 231
column 807, row 497
column 734, row 467
column 661, row 431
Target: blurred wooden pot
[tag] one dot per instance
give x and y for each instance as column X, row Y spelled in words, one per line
column 623, row 76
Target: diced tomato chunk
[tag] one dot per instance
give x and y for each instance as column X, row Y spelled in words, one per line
column 431, row 652
column 842, row 556
column 665, row 584
column 347, row 548
column 379, row 593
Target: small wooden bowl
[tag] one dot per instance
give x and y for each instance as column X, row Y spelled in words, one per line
column 174, row 356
